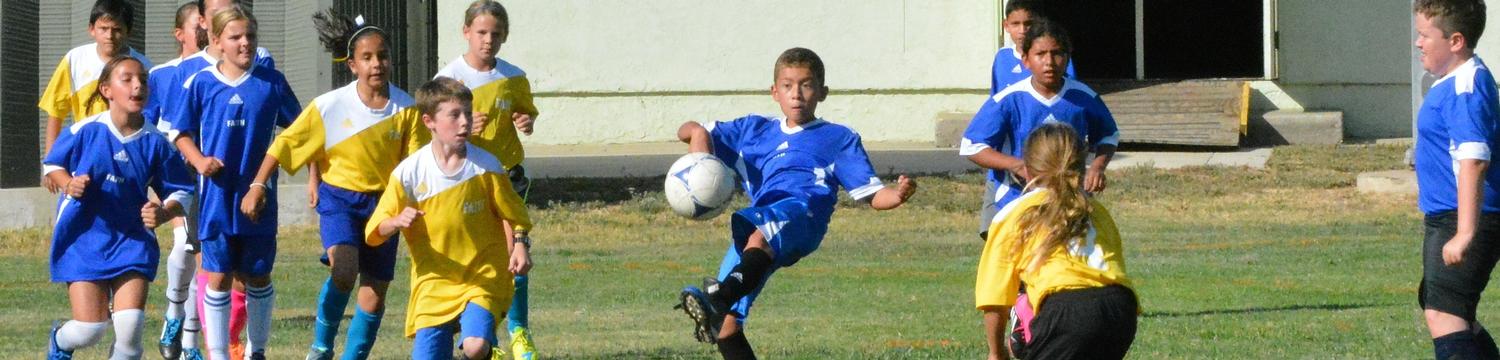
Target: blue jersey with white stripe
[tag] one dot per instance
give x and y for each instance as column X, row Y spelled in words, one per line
column 1006, row 119
column 809, row 162
column 1457, row 122
column 234, row 120
column 1008, row 70
column 101, row 235
column 166, row 82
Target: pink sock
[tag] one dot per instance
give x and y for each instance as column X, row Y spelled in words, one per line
column 236, row 315
column 202, row 285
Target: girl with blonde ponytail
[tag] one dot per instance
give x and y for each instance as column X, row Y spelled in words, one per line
column 1064, row 248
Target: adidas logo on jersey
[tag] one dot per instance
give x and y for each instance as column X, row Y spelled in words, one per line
column 348, row 124
column 1050, row 119
column 1016, row 70
column 122, row 157
column 502, row 104
column 236, row 100
column 422, row 188
column 473, row 207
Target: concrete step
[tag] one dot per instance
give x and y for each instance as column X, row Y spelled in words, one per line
column 1284, row 127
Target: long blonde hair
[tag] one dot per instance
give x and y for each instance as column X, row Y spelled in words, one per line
column 1054, row 159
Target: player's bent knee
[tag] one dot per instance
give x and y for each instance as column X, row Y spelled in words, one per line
column 476, row 348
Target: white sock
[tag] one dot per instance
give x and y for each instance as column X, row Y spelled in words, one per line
column 128, row 325
column 190, row 324
column 180, row 266
column 76, row 334
column 216, row 323
column 258, row 305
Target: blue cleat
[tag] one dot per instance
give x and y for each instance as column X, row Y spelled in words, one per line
column 171, row 339
column 54, row 352
column 191, row 354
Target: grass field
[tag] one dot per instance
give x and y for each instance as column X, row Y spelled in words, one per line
column 1286, row 262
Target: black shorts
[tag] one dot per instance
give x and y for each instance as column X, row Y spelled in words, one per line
column 1455, row 289
column 519, row 181
column 1097, row 323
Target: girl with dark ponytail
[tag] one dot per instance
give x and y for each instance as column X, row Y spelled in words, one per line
column 1065, row 250
column 351, row 138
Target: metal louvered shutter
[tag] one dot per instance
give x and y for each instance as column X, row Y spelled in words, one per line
column 19, row 148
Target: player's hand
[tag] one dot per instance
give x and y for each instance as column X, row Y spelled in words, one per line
column 405, row 218
column 906, row 187
column 523, row 122
column 1453, row 251
column 208, row 165
column 480, row 120
column 253, row 203
column 152, row 215
column 77, row 185
column 51, row 187
column 312, row 195
column 1094, row 181
column 520, row 260
column 1020, row 172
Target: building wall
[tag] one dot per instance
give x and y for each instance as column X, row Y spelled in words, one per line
column 631, row 71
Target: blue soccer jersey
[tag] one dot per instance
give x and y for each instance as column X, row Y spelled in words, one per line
column 808, row 163
column 1008, row 70
column 234, row 120
column 1005, row 120
column 101, row 235
column 174, row 74
column 1457, row 122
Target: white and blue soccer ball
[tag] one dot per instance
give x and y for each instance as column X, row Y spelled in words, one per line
column 699, row 186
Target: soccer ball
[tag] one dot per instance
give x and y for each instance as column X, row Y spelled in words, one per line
column 699, row 186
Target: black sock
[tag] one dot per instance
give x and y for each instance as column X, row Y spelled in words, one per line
column 1485, row 343
column 1457, row 345
column 745, row 277
column 736, row 347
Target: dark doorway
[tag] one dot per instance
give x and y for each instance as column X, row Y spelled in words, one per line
column 1194, row 39
column 1103, row 33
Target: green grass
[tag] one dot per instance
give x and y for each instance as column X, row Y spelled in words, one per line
column 1286, row 262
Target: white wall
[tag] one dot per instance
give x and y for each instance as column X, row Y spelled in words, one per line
column 631, row 71
column 1346, row 55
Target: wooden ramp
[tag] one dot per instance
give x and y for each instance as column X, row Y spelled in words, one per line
column 1188, row 112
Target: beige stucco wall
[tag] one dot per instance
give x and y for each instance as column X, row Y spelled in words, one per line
column 631, row 71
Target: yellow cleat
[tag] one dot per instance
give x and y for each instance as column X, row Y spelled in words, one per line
column 520, row 345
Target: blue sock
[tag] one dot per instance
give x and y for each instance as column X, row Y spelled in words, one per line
column 516, row 318
column 331, row 304
column 362, row 332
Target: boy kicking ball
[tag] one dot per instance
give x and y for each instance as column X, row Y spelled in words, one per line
column 793, row 167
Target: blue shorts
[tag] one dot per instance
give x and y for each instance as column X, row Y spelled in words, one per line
column 342, row 215
column 789, row 227
column 437, row 342
column 248, row 255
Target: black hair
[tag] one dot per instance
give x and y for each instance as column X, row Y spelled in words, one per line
column 118, row 10
column 1047, row 28
column 799, row 57
column 1035, row 8
column 1455, row 16
column 339, row 33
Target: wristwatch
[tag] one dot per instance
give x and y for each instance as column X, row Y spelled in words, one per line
column 524, row 240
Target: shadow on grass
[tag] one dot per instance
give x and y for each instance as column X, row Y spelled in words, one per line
column 1259, row 309
column 657, row 353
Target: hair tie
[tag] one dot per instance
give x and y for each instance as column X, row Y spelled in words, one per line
column 359, row 24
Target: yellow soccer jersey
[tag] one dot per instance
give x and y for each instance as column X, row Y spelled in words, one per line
column 498, row 93
column 354, row 146
column 458, row 247
column 75, row 81
column 1095, row 261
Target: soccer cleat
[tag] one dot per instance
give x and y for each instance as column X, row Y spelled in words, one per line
column 258, row 355
column 171, row 339
column 701, row 310
column 191, row 354
column 317, row 353
column 54, row 352
column 520, row 344
column 496, row 353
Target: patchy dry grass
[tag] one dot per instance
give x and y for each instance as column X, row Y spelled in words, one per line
column 1286, row 262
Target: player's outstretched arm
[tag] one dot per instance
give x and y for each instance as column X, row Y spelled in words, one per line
column 990, row 159
column 695, row 136
column 892, row 197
